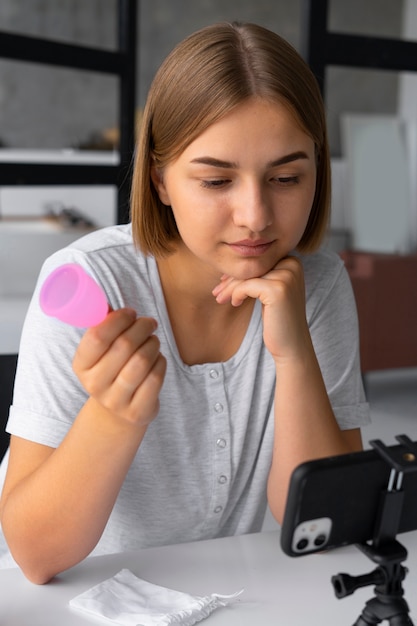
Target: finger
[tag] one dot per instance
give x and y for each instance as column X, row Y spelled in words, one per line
column 223, row 281
column 99, row 339
column 137, row 367
column 102, row 374
column 134, row 398
column 236, row 291
column 253, row 288
column 144, row 405
column 223, row 291
column 291, row 264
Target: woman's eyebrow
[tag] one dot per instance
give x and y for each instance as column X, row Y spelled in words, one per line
column 212, row 161
column 289, row 158
column 207, row 160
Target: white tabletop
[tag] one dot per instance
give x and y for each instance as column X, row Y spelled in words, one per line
column 277, row 589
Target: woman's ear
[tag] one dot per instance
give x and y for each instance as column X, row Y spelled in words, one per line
column 158, row 181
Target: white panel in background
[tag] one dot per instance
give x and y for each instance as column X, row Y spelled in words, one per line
column 378, row 182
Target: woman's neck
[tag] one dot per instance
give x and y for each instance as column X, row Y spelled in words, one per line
column 204, row 330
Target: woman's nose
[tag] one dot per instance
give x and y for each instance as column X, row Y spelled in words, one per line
column 252, row 208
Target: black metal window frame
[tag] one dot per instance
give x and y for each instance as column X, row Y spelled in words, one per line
column 120, row 63
column 322, row 47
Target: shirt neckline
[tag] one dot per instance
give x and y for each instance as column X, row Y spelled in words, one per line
column 166, row 328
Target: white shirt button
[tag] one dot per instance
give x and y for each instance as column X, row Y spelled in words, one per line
column 218, row 407
column 218, row 509
column 221, row 443
column 213, row 374
column 222, row 479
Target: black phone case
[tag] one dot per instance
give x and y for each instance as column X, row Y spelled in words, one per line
column 348, row 490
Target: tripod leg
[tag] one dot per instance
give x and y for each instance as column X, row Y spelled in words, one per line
column 369, row 615
column 393, row 610
column 366, row 619
column 401, row 620
column 361, row 622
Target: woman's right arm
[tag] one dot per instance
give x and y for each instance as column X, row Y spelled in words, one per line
column 56, row 502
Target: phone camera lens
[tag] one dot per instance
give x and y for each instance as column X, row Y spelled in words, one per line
column 302, row 544
column 320, row 540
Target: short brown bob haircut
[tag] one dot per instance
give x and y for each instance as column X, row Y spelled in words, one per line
column 203, row 79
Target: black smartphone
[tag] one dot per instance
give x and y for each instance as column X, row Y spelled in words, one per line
column 336, row 501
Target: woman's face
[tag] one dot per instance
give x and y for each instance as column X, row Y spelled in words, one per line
column 241, row 193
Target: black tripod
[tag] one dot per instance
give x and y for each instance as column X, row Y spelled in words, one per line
column 388, row 602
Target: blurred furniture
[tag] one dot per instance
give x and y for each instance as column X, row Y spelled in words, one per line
column 385, row 287
column 120, row 63
column 7, row 373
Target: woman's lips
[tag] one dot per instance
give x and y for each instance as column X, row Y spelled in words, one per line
column 249, row 247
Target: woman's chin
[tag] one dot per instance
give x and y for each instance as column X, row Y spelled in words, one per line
column 246, row 271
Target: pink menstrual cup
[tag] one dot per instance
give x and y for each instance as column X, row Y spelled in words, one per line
column 72, row 296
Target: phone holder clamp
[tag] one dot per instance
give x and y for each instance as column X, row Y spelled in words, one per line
column 388, row 602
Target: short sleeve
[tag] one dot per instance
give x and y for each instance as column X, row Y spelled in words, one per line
column 333, row 323
column 47, row 394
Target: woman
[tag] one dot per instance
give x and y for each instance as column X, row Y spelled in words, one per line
column 231, row 352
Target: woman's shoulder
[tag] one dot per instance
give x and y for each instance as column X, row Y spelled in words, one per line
column 321, row 264
column 107, row 238
column 107, row 246
column 323, row 270
column 108, row 254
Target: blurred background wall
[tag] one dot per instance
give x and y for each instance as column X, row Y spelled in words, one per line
column 34, row 111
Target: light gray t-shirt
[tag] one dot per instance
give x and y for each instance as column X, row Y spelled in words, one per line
column 201, row 470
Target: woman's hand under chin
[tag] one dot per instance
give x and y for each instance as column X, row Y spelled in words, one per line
column 281, row 292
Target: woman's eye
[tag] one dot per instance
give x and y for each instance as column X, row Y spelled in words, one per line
column 213, row 184
column 287, row 180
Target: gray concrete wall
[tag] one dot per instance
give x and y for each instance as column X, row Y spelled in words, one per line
column 42, row 107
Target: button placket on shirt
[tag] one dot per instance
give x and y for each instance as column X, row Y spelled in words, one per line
column 222, row 442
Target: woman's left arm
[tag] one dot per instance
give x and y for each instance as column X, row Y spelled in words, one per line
column 305, row 425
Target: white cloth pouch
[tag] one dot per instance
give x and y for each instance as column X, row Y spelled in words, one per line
column 127, row 600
